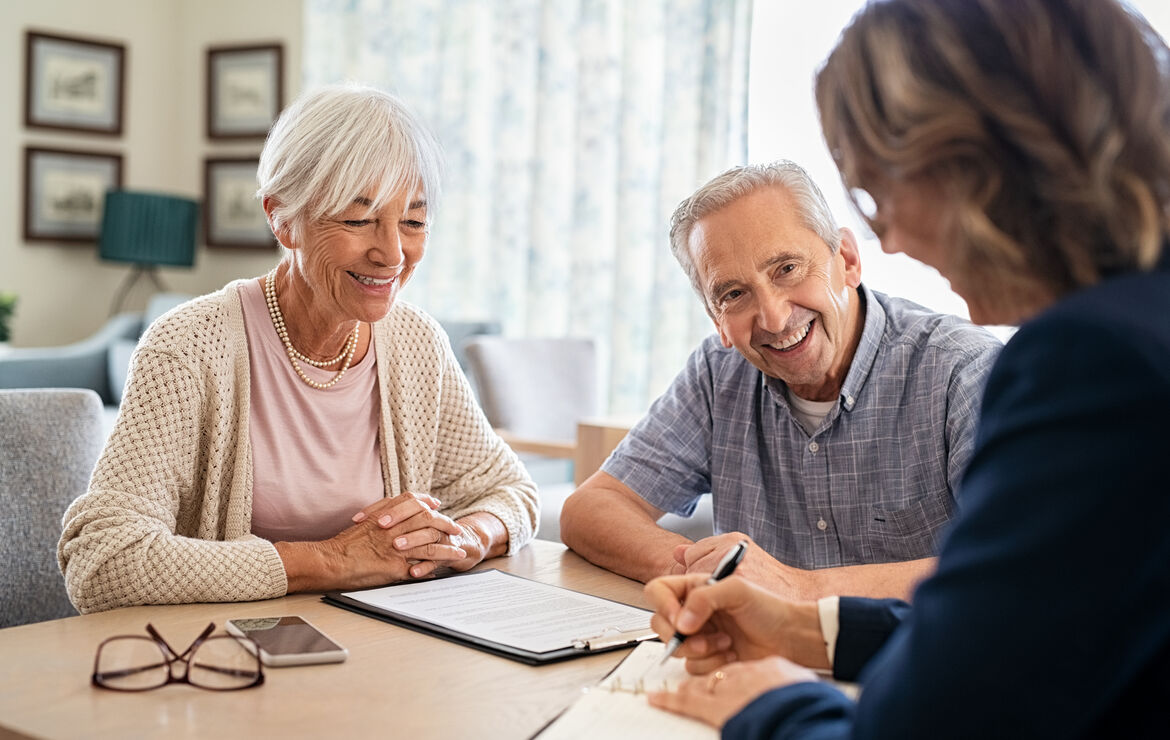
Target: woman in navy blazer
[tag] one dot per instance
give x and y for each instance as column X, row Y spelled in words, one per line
column 1022, row 148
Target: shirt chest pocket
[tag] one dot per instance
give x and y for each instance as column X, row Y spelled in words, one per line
column 910, row 532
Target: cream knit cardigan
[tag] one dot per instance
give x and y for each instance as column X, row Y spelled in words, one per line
column 167, row 517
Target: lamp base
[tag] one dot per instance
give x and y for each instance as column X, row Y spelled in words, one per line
column 150, row 272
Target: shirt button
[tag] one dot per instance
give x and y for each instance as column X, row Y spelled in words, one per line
column 822, row 525
column 813, row 447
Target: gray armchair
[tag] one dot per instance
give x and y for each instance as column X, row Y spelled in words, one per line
column 537, row 393
column 98, row 362
column 460, row 333
column 49, row 441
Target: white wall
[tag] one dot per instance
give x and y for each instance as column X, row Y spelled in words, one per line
column 65, row 291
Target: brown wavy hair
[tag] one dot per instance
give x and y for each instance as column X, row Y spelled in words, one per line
column 1045, row 122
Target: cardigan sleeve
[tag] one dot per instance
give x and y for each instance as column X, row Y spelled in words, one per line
column 133, row 537
column 475, row 470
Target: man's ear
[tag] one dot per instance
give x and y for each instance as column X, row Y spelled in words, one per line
column 279, row 227
column 852, row 256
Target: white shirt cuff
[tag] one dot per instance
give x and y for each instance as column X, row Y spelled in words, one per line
column 829, row 611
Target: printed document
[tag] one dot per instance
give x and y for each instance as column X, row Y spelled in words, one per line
column 502, row 608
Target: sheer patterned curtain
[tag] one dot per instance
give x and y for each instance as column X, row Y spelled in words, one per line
column 571, row 129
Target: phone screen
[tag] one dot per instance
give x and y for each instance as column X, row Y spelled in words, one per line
column 285, row 635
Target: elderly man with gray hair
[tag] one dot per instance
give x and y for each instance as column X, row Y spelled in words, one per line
column 830, row 423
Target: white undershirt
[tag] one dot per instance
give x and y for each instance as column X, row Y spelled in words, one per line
column 809, row 414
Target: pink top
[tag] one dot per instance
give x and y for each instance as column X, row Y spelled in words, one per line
column 315, row 459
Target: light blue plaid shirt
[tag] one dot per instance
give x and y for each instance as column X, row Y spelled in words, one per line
column 874, row 483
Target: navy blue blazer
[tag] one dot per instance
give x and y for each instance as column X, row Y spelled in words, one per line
column 1049, row 615
column 864, row 626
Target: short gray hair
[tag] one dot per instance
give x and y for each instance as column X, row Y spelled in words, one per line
column 339, row 143
column 737, row 182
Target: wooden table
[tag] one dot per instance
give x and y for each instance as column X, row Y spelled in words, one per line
column 396, row 683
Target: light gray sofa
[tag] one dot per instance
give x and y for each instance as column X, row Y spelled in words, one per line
column 99, row 362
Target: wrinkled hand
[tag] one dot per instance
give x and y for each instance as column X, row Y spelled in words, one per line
column 758, row 566
column 717, row 697
column 408, row 532
column 430, row 540
column 733, row 620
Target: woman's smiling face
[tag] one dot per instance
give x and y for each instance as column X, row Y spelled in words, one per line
column 361, row 259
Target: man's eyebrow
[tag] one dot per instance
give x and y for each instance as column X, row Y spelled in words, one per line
column 778, row 258
column 722, row 287
column 363, row 201
column 417, row 204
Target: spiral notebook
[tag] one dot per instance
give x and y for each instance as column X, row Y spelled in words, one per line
column 617, row 706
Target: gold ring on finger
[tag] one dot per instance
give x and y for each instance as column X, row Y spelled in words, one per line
column 714, row 680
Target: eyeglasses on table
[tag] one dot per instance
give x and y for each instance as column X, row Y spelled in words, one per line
column 215, row 662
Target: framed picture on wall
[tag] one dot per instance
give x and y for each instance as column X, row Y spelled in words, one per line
column 244, row 90
column 64, row 192
column 74, row 84
column 232, row 215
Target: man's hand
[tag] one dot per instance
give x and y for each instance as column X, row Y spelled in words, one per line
column 758, row 566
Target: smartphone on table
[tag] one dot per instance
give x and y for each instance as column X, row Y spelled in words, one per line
column 287, row 641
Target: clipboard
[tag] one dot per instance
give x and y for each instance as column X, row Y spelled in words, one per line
column 449, row 611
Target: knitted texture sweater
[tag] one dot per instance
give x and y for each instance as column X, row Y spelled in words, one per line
column 167, row 516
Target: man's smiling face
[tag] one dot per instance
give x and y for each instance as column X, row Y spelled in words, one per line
column 778, row 293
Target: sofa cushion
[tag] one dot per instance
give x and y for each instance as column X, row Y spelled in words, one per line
column 119, row 365
column 160, row 303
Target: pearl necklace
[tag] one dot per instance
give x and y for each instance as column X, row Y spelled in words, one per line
column 345, row 357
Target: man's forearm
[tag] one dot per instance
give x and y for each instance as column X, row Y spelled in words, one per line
column 605, row 529
column 875, row 581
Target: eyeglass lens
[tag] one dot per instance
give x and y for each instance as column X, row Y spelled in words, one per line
column 139, row 663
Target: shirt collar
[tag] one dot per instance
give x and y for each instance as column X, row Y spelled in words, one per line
column 867, row 349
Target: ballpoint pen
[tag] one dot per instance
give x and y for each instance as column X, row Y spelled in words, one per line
column 725, row 568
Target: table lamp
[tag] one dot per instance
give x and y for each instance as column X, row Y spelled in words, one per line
column 149, row 230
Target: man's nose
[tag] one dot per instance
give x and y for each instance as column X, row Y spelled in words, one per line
column 774, row 310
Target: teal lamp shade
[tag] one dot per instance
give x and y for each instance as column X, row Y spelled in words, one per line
column 149, row 229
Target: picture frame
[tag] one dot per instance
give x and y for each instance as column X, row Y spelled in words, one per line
column 232, row 216
column 64, row 193
column 245, row 90
column 74, row 84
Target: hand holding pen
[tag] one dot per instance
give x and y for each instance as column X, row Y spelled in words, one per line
column 734, row 619
column 725, row 568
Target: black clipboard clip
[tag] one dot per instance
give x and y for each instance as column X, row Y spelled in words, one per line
column 611, row 637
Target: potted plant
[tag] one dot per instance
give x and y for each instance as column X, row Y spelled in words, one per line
column 7, row 308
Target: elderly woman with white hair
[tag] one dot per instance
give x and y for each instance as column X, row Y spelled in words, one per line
column 303, row 431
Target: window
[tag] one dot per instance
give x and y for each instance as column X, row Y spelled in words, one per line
column 789, row 42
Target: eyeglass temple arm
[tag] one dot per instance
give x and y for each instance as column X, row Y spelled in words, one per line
column 177, row 655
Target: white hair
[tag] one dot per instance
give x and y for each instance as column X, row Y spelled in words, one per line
column 737, row 182
column 343, row 142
